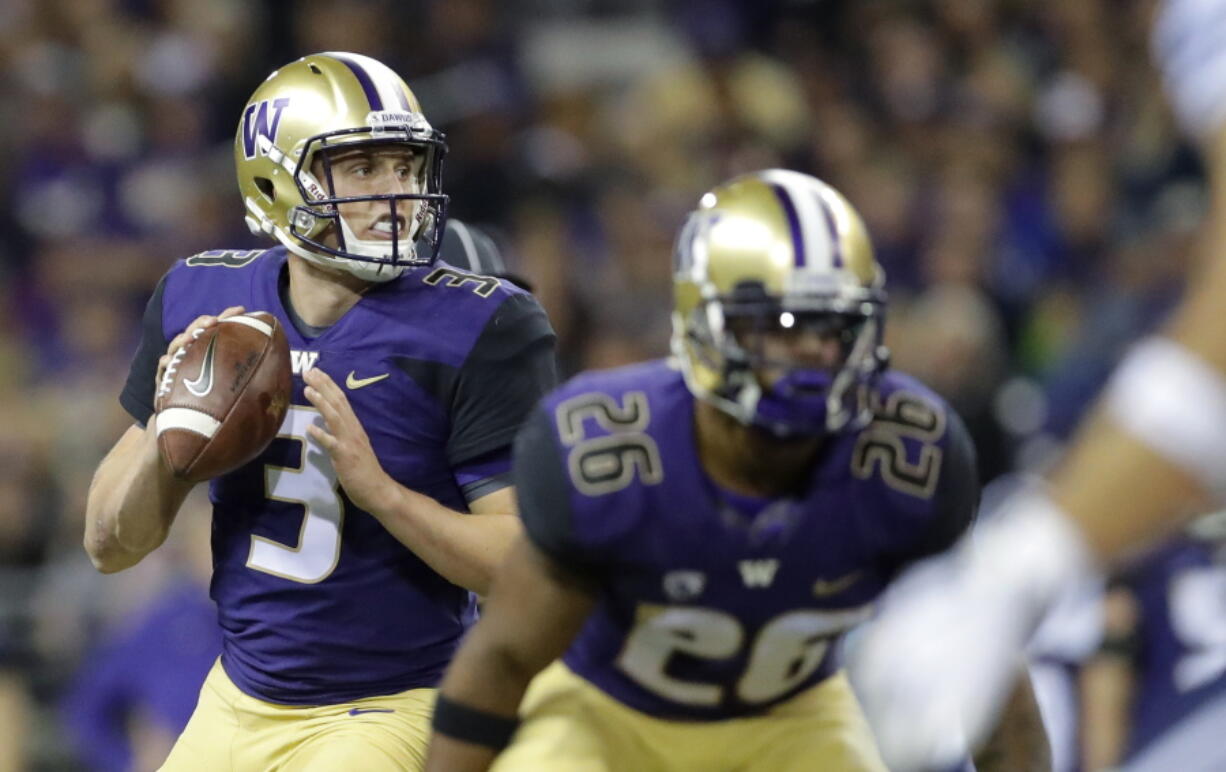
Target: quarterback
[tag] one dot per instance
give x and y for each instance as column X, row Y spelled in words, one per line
column 702, row 531
column 346, row 557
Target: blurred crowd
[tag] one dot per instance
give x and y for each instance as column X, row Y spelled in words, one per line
column 1015, row 162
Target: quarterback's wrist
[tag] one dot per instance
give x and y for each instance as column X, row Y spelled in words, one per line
column 382, row 498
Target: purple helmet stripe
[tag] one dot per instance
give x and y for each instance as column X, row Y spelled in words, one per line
column 368, row 85
column 402, row 97
column 789, row 209
column 834, row 231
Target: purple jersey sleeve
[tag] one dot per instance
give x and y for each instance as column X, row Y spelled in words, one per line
column 916, row 461
column 957, row 494
column 484, row 475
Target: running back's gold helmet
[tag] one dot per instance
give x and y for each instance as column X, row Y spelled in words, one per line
column 775, row 249
column 319, row 103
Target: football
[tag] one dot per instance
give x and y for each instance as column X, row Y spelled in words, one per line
column 223, row 396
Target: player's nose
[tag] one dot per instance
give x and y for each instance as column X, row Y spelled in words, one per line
column 393, row 180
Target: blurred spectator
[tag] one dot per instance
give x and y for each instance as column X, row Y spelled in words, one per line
column 952, row 339
column 136, row 689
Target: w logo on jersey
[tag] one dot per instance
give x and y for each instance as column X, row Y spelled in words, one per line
column 257, row 123
column 758, row 573
column 301, row 361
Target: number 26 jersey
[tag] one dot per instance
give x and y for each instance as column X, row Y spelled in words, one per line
column 712, row 605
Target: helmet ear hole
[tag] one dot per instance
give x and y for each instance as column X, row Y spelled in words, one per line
column 265, row 186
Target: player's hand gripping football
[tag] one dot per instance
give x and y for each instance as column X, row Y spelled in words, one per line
column 347, row 443
column 192, row 331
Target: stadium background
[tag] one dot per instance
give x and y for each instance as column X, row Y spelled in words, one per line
column 1015, row 162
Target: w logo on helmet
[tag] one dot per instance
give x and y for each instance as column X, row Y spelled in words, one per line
column 256, row 123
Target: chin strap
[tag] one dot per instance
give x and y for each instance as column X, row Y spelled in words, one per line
column 379, row 250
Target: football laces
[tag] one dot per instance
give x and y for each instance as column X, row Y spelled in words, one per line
column 172, row 367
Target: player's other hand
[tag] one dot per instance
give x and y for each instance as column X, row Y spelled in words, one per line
column 934, row 670
column 346, row 442
column 192, row 331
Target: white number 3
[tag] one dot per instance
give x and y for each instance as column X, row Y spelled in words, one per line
column 313, row 485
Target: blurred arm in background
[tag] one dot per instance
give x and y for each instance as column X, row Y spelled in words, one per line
column 1152, row 453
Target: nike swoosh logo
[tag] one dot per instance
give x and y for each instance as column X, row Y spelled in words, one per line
column 204, row 382
column 360, row 711
column 823, row 587
column 354, row 382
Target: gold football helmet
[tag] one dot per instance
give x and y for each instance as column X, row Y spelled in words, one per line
column 317, row 104
column 772, row 253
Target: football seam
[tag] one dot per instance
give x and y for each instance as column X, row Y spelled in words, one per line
column 237, row 398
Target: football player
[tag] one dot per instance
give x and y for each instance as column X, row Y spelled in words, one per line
column 702, row 531
column 347, row 556
column 1153, row 452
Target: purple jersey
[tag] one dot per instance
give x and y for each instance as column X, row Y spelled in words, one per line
column 318, row 603
column 1181, row 655
column 711, row 605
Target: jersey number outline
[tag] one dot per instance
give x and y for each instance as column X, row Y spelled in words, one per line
column 485, row 284
column 785, row 651
column 314, row 485
column 601, row 465
column 227, row 258
column 880, row 447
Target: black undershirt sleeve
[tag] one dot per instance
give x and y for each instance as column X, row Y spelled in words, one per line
column 509, row 369
column 138, row 391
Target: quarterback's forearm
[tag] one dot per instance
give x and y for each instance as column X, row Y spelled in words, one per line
column 132, row 501
column 465, row 549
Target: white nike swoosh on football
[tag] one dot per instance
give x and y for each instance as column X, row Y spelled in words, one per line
column 203, row 383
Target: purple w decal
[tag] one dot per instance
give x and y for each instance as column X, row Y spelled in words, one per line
column 257, row 124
